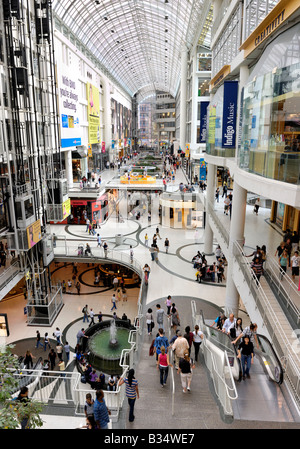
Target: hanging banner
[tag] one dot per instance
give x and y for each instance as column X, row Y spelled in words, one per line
column 93, row 113
column 103, row 147
column 212, row 124
column 203, row 120
column 229, row 114
column 202, row 173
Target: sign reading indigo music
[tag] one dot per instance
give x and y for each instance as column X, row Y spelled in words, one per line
column 203, row 120
column 229, row 114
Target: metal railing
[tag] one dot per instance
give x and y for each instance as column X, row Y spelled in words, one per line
column 77, row 251
column 283, row 286
column 171, row 357
column 9, row 273
column 216, row 219
column 221, row 373
column 286, row 349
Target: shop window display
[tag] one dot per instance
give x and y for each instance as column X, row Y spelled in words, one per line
column 270, row 144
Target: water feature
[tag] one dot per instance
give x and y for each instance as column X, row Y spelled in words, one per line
column 105, row 344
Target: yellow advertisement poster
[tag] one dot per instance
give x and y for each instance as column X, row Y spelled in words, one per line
column 34, row 234
column 93, row 113
column 66, row 208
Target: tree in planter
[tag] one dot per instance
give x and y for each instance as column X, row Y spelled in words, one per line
column 13, row 412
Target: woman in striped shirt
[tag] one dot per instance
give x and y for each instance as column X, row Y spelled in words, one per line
column 131, row 391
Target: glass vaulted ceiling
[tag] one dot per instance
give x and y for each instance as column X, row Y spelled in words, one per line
column 138, row 41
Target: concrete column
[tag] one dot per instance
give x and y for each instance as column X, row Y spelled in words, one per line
column 237, row 229
column 210, row 189
column 69, row 168
column 183, row 96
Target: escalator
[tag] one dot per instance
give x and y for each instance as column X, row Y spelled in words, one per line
column 265, row 395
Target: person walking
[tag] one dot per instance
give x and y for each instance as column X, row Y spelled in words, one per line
column 160, row 340
column 85, row 313
column 105, row 248
column 174, row 318
column 92, row 315
column 186, row 365
column 113, row 301
column 52, row 359
column 162, row 365
column 146, row 270
column 180, row 347
column 246, row 353
column 38, row 340
column 169, row 305
column 167, row 244
column 78, row 287
column 99, row 243
column 28, row 360
column 67, row 350
column 115, row 283
column 197, row 340
column 146, row 240
column 131, row 391
column 46, row 342
column 101, row 412
column 149, row 321
column 59, row 351
column 57, row 334
column 256, row 206
column 283, row 263
column 160, row 316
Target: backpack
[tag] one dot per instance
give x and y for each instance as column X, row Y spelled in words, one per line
column 151, row 349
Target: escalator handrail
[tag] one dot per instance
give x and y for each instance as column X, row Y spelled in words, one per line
column 263, row 337
column 233, row 346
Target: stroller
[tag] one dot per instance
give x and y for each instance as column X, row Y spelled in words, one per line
column 80, row 250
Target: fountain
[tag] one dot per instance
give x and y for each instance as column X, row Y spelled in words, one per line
column 113, row 342
column 105, row 344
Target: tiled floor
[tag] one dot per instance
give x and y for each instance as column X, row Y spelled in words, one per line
column 172, row 275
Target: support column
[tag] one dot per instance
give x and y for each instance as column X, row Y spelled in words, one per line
column 183, row 96
column 237, row 229
column 210, row 193
column 69, row 168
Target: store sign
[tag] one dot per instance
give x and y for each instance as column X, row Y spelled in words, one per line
column 103, row 147
column 229, row 114
column 34, row 234
column 93, row 113
column 203, row 120
column 276, row 17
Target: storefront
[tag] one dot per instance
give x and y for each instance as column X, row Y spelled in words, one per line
column 79, row 163
column 270, row 144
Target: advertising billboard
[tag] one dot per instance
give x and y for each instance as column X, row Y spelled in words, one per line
column 34, row 234
column 66, row 208
column 93, row 113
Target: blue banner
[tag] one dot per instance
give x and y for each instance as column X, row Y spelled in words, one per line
column 203, row 120
column 65, row 143
column 202, row 173
column 229, row 114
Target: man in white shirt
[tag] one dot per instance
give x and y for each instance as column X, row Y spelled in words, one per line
column 229, row 323
column 295, row 264
column 116, row 283
column 92, row 314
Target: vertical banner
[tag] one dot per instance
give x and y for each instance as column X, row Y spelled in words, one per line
column 212, row 124
column 202, row 173
column 229, row 114
column 203, row 120
column 103, row 147
column 93, row 113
